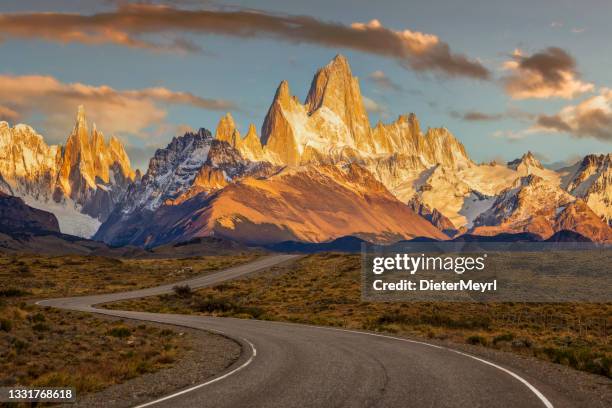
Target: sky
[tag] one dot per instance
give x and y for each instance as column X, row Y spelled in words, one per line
column 503, row 77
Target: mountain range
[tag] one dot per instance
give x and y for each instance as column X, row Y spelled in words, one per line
column 318, row 172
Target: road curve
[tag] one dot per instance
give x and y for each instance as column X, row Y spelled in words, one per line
column 291, row 365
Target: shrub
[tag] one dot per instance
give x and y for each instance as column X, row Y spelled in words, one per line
column 6, row 325
column 211, row 304
column 40, row 327
column 19, row 344
column 38, row 317
column 503, row 338
column 13, row 292
column 120, row 331
column 24, row 270
column 477, row 340
column 255, row 312
column 183, row 291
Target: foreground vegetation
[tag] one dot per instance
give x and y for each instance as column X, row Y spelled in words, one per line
column 325, row 289
column 49, row 347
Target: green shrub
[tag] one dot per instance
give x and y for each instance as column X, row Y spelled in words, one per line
column 120, row 331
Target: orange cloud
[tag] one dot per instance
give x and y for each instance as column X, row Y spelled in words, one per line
column 590, row 118
column 129, row 25
column 117, row 111
column 550, row 73
column 8, row 114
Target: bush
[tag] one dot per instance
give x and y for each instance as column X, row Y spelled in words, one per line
column 38, row 317
column 24, row 270
column 12, row 292
column 477, row 340
column 211, row 304
column 6, row 325
column 120, row 332
column 183, row 291
column 40, row 327
column 503, row 338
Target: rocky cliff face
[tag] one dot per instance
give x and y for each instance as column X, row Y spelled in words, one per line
column 17, row 218
column 27, row 165
column 332, row 125
column 591, row 180
column 92, row 173
column 80, row 182
column 435, row 217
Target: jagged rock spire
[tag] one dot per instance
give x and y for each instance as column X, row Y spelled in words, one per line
column 251, row 145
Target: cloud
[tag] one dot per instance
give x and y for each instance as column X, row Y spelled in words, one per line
column 384, row 82
column 133, row 25
column 553, row 122
column 8, row 114
column 550, row 73
column 477, row 116
column 371, row 106
column 590, row 118
column 117, row 111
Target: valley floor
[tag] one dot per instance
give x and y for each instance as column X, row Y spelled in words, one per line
column 325, row 289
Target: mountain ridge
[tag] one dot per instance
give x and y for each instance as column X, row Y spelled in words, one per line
column 318, row 171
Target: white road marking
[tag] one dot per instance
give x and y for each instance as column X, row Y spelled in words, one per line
column 533, row 389
column 214, row 380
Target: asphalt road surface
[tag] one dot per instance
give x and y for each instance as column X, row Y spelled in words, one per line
column 291, row 365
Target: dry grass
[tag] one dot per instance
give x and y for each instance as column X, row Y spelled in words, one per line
column 325, row 289
column 48, row 347
column 42, row 276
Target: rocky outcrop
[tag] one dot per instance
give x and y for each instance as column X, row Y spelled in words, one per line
column 251, row 148
column 434, row 216
column 227, row 132
column 17, row 218
column 526, row 164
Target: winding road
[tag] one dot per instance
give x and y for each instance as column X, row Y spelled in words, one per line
column 292, row 365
